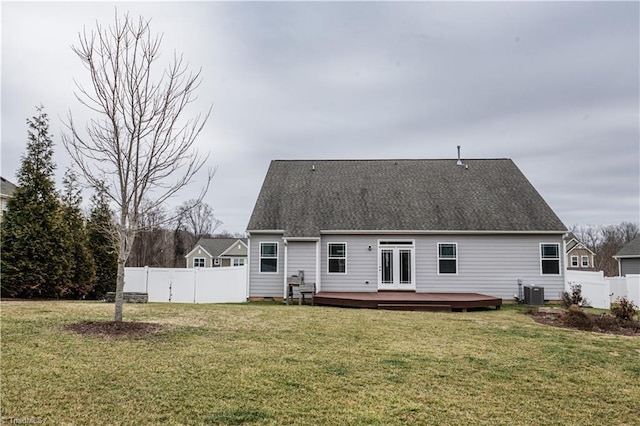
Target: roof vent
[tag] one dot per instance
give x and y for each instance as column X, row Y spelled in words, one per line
column 459, row 163
column 313, row 167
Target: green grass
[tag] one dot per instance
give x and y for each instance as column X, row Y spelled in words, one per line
column 273, row 364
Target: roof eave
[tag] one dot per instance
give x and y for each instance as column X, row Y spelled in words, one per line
column 194, row 249
column 453, row 231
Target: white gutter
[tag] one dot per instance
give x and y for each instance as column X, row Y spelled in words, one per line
column 401, row 232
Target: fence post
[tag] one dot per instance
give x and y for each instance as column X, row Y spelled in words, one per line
column 195, row 287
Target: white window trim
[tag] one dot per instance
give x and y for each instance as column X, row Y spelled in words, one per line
column 572, row 258
column 260, row 257
column 329, row 257
column 446, row 258
column 559, row 259
column 582, row 263
column 204, row 261
column 216, row 261
column 234, row 259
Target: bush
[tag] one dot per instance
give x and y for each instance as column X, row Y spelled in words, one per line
column 605, row 322
column 624, row 309
column 577, row 318
column 574, row 298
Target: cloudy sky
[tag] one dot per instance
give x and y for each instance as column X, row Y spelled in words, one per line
column 552, row 85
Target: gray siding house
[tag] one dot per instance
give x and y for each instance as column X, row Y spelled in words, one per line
column 629, row 258
column 217, row 252
column 416, row 225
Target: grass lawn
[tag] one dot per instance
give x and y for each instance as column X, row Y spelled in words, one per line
column 274, row 364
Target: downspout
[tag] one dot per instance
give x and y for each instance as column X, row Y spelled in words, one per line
column 248, row 293
column 318, row 274
column 284, row 281
column 563, row 259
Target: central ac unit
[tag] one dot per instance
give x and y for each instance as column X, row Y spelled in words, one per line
column 534, row 295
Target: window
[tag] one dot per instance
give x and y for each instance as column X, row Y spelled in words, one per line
column 550, row 259
column 198, row 262
column 447, row 258
column 238, row 261
column 216, row 262
column 585, row 261
column 574, row 261
column 337, row 258
column 269, row 257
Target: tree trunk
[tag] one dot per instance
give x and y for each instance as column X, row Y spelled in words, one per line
column 125, row 241
column 120, row 285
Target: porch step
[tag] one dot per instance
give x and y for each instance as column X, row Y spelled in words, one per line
column 402, row 306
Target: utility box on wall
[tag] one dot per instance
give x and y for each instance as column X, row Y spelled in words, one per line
column 533, row 295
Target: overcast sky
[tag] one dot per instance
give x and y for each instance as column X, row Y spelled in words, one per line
column 552, row 85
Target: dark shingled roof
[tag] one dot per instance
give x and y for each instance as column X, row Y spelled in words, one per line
column 216, row 246
column 303, row 197
column 632, row 248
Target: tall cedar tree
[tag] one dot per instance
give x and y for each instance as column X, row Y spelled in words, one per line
column 83, row 268
column 36, row 249
column 101, row 231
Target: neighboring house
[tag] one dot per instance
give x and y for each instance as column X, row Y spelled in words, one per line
column 415, row 225
column 6, row 190
column 217, row 252
column 629, row 258
column 578, row 256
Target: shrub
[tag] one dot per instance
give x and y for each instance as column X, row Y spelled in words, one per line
column 577, row 318
column 605, row 322
column 624, row 309
column 574, row 298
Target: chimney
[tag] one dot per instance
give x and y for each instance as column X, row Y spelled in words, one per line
column 459, row 163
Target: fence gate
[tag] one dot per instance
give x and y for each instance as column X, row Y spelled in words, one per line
column 189, row 285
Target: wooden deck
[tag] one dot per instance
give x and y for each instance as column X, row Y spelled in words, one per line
column 409, row 301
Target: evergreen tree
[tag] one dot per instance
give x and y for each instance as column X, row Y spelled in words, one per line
column 101, row 231
column 35, row 240
column 83, row 268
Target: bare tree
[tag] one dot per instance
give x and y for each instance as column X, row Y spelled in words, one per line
column 193, row 220
column 606, row 241
column 197, row 218
column 153, row 243
column 138, row 142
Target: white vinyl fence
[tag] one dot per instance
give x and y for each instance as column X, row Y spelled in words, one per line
column 602, row 291
column 189, row 285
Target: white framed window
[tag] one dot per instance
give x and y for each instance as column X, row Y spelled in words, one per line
column 585, row 261
column 238, row 261
column 337, row 258
column 198, row 262
column 550, row 259
column 269, row 258
column 447, row 258
column 574, row 261
column 216, row 262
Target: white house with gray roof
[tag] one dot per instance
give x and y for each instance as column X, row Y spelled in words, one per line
column 217, row 252
column 423, row 226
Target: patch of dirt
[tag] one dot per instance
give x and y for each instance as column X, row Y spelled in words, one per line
column 560, row 319
column 114, row 329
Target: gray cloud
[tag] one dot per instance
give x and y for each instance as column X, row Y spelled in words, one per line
column 552, row 85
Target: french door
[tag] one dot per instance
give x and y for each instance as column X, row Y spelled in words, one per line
column 396, row 265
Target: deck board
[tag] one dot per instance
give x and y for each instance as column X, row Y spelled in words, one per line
column 402, row 300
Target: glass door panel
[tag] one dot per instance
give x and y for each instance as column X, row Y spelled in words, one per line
column 405, row 266
column 386, row 264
